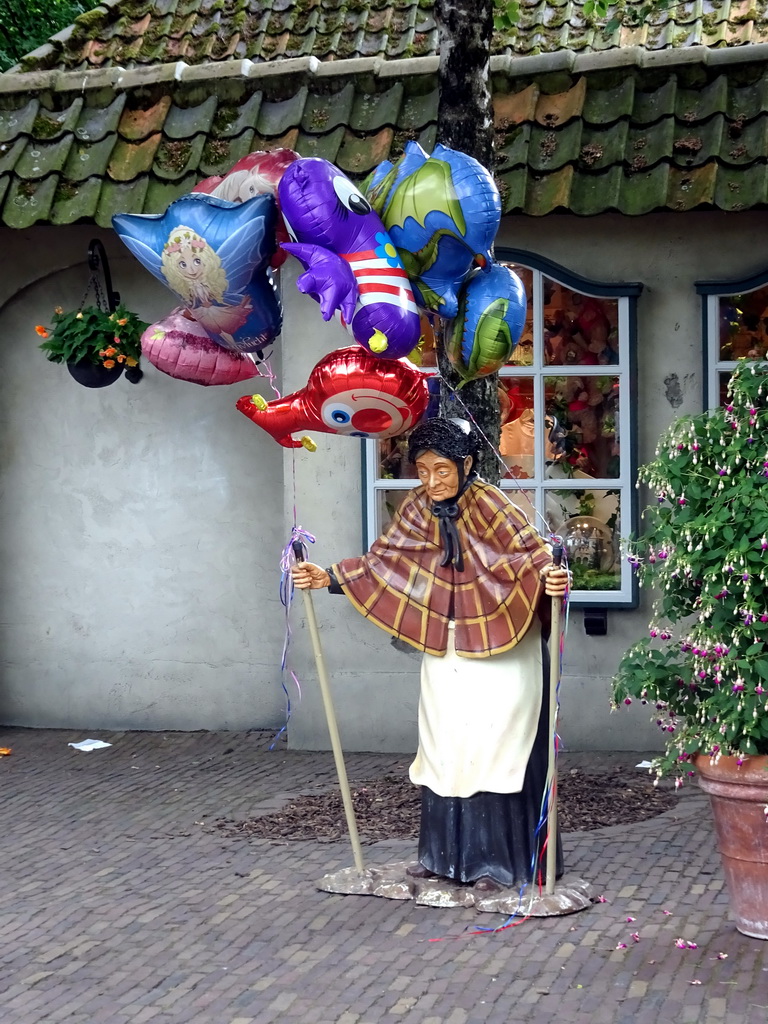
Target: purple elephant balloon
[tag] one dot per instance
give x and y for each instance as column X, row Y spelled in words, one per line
column 351, row 266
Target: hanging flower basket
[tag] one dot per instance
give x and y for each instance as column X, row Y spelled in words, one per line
column 92, row 375
column 95, row 344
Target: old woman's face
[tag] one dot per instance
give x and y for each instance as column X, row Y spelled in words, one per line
column 439, row 475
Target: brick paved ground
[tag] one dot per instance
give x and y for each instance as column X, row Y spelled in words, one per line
column 117, row 905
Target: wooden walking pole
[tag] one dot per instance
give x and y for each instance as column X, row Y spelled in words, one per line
column 554, row 679
column 330, row 714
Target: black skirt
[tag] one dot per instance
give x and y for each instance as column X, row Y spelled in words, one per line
column 492, row 834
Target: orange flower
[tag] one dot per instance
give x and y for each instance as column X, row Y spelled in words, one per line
column 102, row 352
column 110, row 351
column 41, row 331
column 123, row 322
column 121, row 358
column 130, row 361
column 5, row 751
column 108, row 364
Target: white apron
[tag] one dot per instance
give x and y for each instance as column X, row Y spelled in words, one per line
column 478, row 719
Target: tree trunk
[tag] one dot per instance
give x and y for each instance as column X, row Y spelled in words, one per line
column 465, row 123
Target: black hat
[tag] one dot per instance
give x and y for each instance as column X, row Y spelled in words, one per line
column 454, row 439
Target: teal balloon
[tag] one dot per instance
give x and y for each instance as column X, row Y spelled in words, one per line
column 489, row 323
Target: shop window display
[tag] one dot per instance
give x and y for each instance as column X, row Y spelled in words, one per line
column 736, row 318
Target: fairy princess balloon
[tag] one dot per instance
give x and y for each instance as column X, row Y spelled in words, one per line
column 214, row 256
column 351, row 265
column 443, row 213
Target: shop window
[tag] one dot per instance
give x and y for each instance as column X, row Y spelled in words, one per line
column 735, row 327
column 567, row 440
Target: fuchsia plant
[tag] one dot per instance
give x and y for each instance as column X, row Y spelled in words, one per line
column 704, row 665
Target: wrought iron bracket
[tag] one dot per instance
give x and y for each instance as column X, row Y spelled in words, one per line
column 99, row 262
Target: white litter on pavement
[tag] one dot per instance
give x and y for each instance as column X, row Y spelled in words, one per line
column 89, row 745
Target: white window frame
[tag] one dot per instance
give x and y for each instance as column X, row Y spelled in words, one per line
column 712, row 292
column 626, row 295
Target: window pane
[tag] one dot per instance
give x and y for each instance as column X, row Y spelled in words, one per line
column 582, row 430
column 522, row 354
column 387, row 503
column 517, row 426
column 590, row 525
column 525, row 501
column 744, row 325
column 392, row 463
column 579, row 330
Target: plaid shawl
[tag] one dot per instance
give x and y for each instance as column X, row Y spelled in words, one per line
column 401, row 586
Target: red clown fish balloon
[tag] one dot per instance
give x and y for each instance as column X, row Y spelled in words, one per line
column 349, row 392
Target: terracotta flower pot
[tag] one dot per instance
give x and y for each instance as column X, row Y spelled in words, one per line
column 93, row 376
column 738, row 796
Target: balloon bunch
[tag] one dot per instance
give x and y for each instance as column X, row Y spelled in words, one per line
column 416, row 243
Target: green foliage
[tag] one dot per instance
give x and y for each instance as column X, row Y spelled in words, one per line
column 27, row 24
column 94, row 335
column 705, row 664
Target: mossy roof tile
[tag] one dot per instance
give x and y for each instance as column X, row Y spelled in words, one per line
column 182, row 122
column 357, row 156
column 177, row 158
column 278, row 116
column 372, row 110
column 219, row 154
column 18, row 120
column 88, row 160
column 546, row 193
column 28, row 202
column 418, row 110
column 131, row 159
column 550, row 149
column 324, row 146
column 40, row 159
column 326, row 111
column 10, row 153
column 692, row 187
column 606, row 106
column 139, row 122
column 742, row 188
column 96, row 122
column 644, row 191
column 594, row 193
column 73, row 201
column 121, row 197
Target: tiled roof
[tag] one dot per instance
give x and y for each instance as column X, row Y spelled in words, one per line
column 573, row 132
column 132, row 33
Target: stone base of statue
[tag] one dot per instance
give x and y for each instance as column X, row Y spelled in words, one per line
column 392, row 882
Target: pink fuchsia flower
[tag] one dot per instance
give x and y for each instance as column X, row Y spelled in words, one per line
column 720, row 956
column 694, row 982
column 764, row 543
column 630, row 920
column 627, row 700
column 691, row 945
column 680, row 943
column 621, row 945
column 635, row 936
column 667, row 913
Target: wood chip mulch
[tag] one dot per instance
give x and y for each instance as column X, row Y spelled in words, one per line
column 389, row 808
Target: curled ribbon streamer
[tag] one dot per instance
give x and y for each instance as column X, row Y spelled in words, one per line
column 288, row 559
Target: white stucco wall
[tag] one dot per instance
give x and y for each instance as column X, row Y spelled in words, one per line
column 140, row 527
